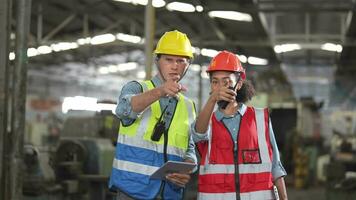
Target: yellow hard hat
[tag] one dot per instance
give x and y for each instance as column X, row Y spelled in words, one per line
column 174, row 43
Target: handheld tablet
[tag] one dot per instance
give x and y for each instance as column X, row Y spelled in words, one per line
column 172, row 167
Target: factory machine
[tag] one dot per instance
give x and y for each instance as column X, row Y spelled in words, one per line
column 78, row 166
column 341, row 171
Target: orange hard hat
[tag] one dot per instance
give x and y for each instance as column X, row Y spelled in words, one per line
column 226, row 61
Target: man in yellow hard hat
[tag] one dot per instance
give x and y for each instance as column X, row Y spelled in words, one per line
column 155, row 126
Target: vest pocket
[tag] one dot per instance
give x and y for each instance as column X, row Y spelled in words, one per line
column 217, row 182
column 181, row 140
column 261, row 173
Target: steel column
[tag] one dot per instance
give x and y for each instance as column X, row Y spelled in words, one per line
column 5, row 29
column 18, row 107
column 149, row 36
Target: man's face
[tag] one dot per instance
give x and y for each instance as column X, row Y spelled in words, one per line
column 220, row 79
column 172, row 67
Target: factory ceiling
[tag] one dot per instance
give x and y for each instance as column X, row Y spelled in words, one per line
column 286, row 33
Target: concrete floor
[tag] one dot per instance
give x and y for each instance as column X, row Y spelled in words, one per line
column 313, row 193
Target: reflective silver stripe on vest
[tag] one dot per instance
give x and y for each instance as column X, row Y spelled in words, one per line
column 262, row 194
column 190, row 110
column 261, row 131
column 255, row 168
column 230, row 169
column 137, row 141
column 217, row 169
column 134, row 167
column 142, row 127
column 217, row 196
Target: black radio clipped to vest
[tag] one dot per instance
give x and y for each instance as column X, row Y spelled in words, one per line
column 159, row 128
column 158, row 131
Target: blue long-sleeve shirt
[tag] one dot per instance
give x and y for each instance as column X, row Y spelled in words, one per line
column 233, row 124
column 127, row 115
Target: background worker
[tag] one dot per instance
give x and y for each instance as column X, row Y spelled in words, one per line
column 239, row 154
column 155, row 126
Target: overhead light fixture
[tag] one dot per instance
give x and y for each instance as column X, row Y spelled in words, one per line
column 332, row 47
column 127, row 66
column 129, row 38
column 83, row 41
column 242, row 58
column 257, row 61
column 113, row 68
column 32, row 52
column 232, row 15
column 62, row 46
column 141, row 74
column 44, row 49
column 102, row 39
column 155, row 3
column 181, row 7
column 196, row 50
column 199, row 8
column 209, row 52
column 12, row 56
column 286, row 47
column 104, row 70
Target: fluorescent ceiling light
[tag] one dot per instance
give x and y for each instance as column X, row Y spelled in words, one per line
column 232, row 15
column 332, row 47
column 141, row 74
column 155, row 3
column 62, row 46
column 113, row 68
column 181, row 7
column 158, row 3
column 12, row 36
column 83, row 41
column 44, row 49
column 196, row 50
column 129, row 38
column 102, row 39
column 12, row 56
column 209, row 52
column 286, row 47
column 127, row 66
column 32, row 52
column 104, row 70
column 199, row 8
column 242, row 58
column 257, row 61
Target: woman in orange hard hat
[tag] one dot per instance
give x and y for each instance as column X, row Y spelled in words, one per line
column 239, row 154
column 155, row 126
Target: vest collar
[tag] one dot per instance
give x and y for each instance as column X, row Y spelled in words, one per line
column 220, row 115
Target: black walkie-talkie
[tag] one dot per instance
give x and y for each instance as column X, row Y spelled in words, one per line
column 222, row 103
column 159, row 128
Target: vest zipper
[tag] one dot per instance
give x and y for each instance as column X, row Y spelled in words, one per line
column 237, row 180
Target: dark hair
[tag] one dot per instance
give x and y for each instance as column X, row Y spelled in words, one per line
column 246, row 92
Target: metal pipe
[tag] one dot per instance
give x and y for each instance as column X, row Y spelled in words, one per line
column 149, row 36
column 18, row 109
column 5, row 30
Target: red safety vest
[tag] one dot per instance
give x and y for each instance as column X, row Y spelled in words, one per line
column 253, row 165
